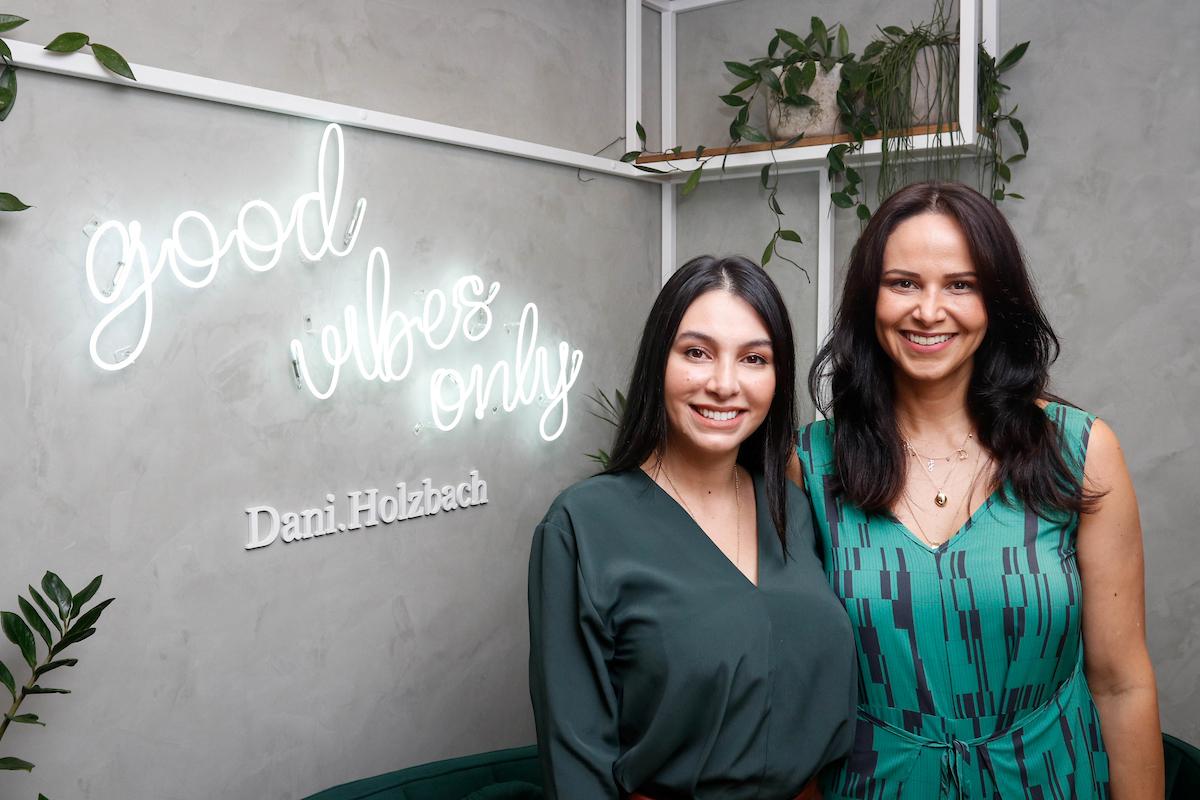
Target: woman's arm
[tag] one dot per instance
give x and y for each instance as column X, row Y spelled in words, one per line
column 574, row 703
column 1116, row 660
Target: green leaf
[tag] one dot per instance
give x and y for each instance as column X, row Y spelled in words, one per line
column 35, row 621
column 637, row 127
column 5, row 50
column 631, row 156
column 793, row 140
column 10, row 21
column 765, row 176
column 843, row 40
column 852, row 176
column 1004, row 172
column 58, row 593
column 819, row 32
column 808, row 74
column 790, row 236
column 66, row 662
column 841, row 199
column 88, row 618
column 744, row 85
column 692, row 181
column 835, row 162
column 6, row 99
column 67, row 42
column 998, row 195
column 644, row 168
column 894, row 30
column 863, row 212
column 700, row 150
column 45, row 607
column 45, row 690
column 27, row 719
column 19, row 634
column 733, row 100
column 73, row 638
column 15, row 763
column 751, row 134
column 1017, row 196
column 772, row 80
column 8, row 83
column 113, row 61
column 741, row 70
column 766, row 256
column 1019, row 128
column 773, row 46
column 1016, row 158
column 872, row 50
column 791, row 40
column 773, row 203
column 6, row 678
column 1012, row 57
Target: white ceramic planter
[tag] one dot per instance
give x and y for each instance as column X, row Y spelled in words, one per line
column 821, row 119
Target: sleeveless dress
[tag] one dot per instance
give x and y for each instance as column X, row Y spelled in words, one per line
column 971, row 680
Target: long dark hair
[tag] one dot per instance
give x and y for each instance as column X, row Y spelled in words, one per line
column 643, row 428
column 1010, row 374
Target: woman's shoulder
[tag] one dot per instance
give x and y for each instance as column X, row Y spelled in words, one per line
column 597, row 497
column 814, row 445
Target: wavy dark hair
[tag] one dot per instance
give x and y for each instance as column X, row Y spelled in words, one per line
column 1010, row 374
column 643, row 428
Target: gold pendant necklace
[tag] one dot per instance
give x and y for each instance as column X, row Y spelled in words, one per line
column 940, row 498
column 737, row 498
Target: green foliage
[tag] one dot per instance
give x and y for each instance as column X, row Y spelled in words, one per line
column 70, row 42
column 609, row 410
column 60, row 623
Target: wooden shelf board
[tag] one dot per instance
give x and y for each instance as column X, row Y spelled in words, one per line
column 815, row 141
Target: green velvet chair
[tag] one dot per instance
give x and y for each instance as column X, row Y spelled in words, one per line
column 1183, row 769
column 501, row 775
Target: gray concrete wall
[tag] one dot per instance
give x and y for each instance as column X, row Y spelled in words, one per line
column 275, row 673
column 1108, row 230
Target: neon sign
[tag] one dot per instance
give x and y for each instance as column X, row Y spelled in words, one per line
column 380, row 341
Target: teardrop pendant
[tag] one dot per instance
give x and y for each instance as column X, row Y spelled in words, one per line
column 941, row 499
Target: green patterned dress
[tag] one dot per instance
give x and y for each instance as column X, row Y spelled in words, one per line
column 971, row 677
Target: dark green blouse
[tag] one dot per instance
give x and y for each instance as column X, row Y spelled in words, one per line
column 656, row 666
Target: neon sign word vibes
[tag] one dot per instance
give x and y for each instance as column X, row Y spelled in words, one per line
column 379, row 341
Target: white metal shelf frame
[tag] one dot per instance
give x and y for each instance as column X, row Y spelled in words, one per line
column 979, row 22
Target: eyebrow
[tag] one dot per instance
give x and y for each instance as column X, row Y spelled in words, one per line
column 909, row 274
column 704, row 337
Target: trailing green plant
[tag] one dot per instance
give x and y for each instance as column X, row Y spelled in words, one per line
column 875, row 98
column 609, row 410
column 62, row 622
column 995, row 172
column 69, row 42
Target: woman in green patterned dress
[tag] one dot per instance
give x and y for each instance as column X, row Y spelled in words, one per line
column 982, row 535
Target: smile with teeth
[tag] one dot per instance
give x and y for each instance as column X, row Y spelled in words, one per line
column 916, row 338
column 719, row 416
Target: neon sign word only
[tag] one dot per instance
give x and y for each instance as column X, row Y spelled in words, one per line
column 379, row 341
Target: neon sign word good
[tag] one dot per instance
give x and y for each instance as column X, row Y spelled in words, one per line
column 364, row 509
column 380, row 341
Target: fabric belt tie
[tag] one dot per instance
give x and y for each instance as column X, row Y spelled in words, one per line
column 959, row 756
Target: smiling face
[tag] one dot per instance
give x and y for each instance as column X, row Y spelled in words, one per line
column 720, row 376
column 930, row 316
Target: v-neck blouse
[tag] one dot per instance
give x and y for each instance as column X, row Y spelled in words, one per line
column 657, row 666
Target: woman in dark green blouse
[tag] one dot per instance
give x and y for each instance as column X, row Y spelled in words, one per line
column 683, row 640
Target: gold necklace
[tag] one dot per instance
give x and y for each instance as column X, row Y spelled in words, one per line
column 940, row 497
column 737, row 498
column 908, row 501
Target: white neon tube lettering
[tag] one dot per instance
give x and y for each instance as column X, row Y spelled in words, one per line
column 385, row 351
column 184, row 264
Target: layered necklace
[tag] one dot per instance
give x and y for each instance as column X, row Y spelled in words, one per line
column 737, row 497
column 928, row 463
